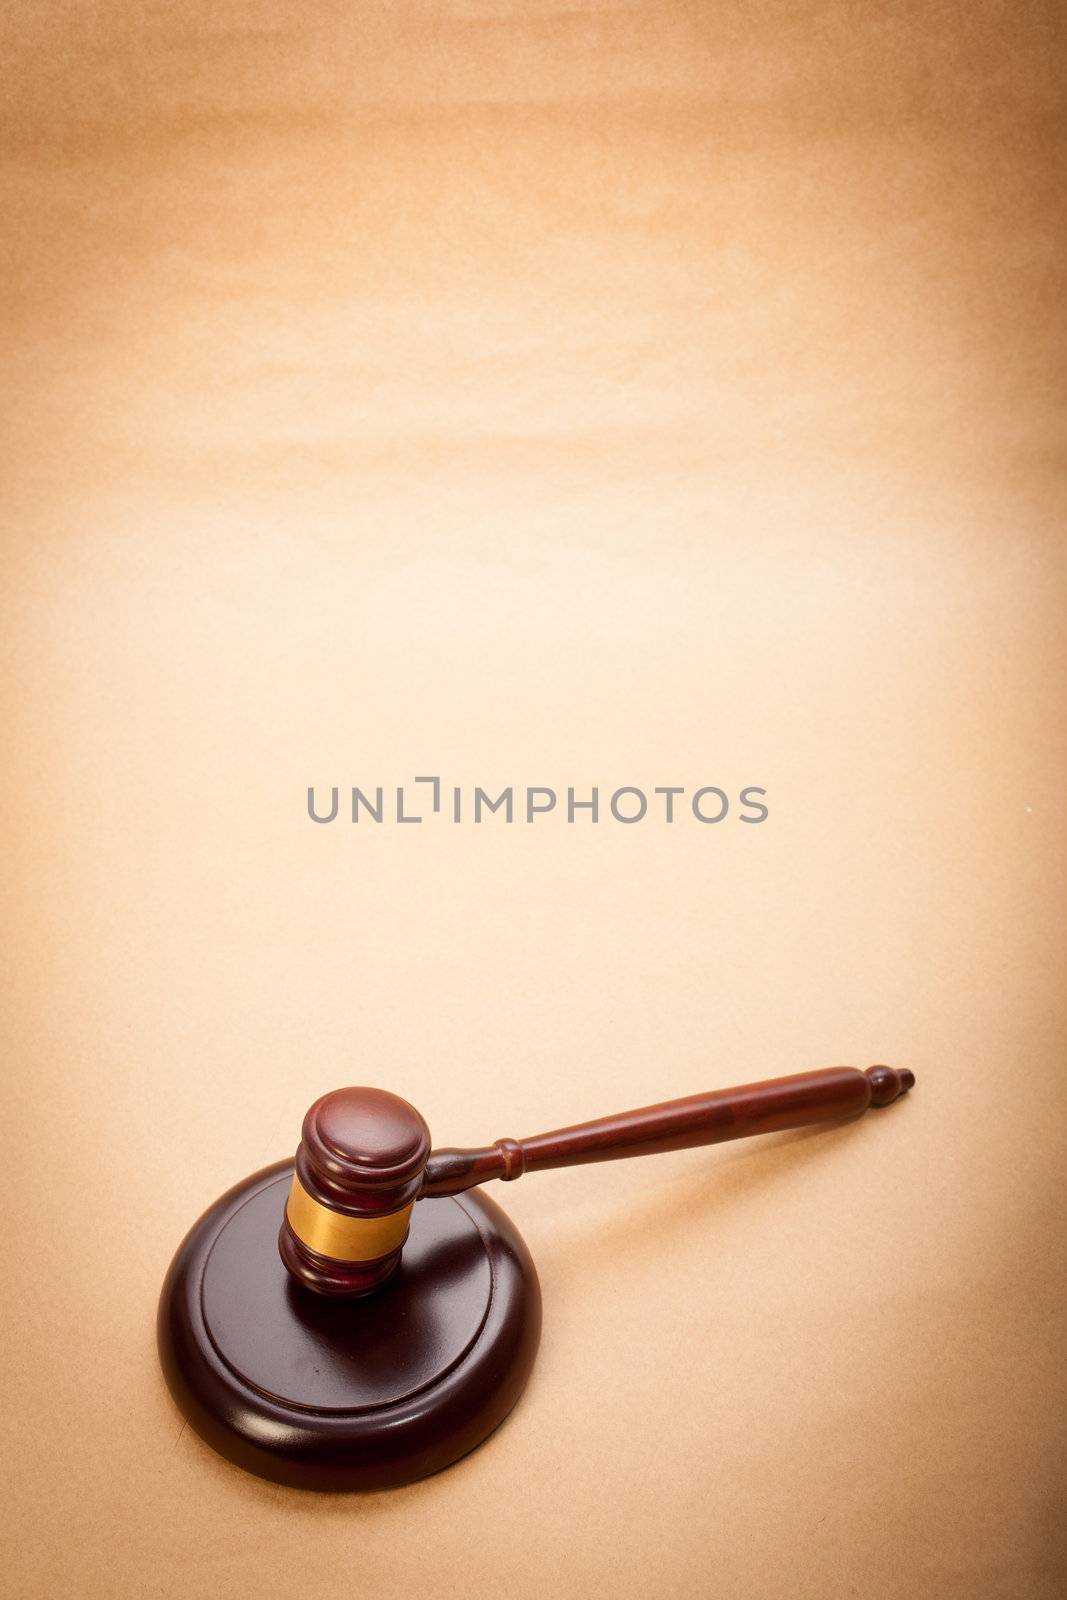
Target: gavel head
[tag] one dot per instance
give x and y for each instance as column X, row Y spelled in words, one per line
column 358, row 1172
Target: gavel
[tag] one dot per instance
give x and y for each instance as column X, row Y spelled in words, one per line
column 365, row 1160
column 401, row 1322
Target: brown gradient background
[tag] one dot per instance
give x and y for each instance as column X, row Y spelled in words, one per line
column 545, row 394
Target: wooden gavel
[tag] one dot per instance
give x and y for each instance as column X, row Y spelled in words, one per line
column 365, row 1160
column 344, row 1388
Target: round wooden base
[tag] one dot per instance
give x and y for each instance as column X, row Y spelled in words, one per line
column 348, row 1394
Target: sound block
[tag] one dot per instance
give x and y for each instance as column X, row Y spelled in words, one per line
column 348, row 1394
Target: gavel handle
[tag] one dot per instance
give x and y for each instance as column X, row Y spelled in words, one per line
column 833, row 1094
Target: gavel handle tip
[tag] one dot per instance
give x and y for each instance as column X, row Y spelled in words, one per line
column 889, row 1083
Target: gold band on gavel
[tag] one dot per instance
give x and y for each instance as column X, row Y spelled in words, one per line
column 342, row 1238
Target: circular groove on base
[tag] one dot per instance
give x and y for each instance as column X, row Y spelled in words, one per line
column 359, row 1394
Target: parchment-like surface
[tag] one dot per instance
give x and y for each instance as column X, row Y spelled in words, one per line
column 615, row 394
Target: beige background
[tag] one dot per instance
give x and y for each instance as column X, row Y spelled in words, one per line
column 545, row 394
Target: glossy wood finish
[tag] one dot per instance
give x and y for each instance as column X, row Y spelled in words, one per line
column 348, row 1394
column 326, row 1390
column 362, row 1154
column 832, row 1094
